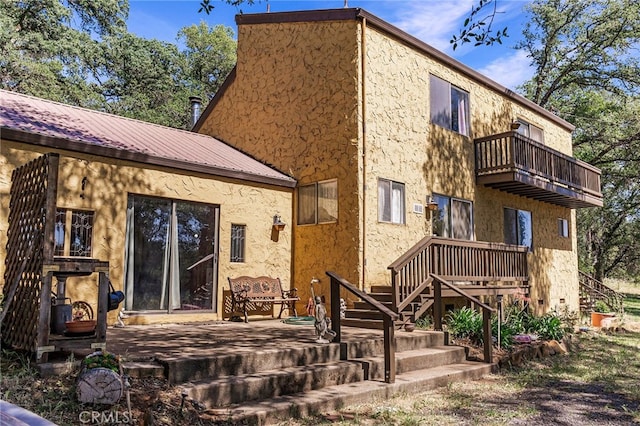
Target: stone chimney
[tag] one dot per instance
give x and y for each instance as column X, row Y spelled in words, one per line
column 196, row 109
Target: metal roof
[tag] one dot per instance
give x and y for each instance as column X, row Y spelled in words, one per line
column 38, row 121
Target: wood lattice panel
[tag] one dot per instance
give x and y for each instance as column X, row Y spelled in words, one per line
column 29, row 244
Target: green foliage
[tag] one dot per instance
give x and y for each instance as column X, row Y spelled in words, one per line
column 601, row 306
column 80, row 53
column 102, row 360
column 465, row 323
column 588, row 72
column 478, row 29
column 547, row 327
column 424, row 323
column 207, row 7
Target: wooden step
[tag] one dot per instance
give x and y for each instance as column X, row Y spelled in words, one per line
column 381, row 289
column 362, row 323
column 363, row 314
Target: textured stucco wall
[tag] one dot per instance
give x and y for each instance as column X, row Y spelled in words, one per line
column 402, row 145
column 294, row 104
column 108, row 184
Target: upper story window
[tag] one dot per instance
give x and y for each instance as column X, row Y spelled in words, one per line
column 453, row 218
column 518, row 228
column 449, row 106
column 391, row 201
column 73, row 233
column 530, row 131
column 318, row 202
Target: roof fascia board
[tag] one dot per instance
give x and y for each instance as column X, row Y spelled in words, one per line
column 408, row 39
column 83, row 147
column 214, row 101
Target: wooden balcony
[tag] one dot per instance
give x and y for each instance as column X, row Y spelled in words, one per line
column 516, row 164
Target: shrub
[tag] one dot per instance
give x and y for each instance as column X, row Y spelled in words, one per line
column 465, row 323
column 508, row 330
column 547, row 327
column 424, row 323
column 601, row 306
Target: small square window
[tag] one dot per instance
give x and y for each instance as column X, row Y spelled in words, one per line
column 238, row 234
column 563, row 228
column 318, row 202
column 391, row 201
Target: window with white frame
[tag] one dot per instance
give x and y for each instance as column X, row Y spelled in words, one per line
column 318, row 202
column 563, row 228
column 391, row 206
column 530, row 131
column 73, row 232
column 518, row 227
column 453, row 218
column 238, row 234
column 449, row 106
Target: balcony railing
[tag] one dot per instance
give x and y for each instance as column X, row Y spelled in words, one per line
column 519, row 165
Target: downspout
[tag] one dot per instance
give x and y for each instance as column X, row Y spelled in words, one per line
column 364, row 150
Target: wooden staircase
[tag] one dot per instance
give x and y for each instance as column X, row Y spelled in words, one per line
column 592, row 290
column 433, row 268
column 364, row 316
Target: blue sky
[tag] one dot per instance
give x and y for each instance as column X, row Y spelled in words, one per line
column 432, row 21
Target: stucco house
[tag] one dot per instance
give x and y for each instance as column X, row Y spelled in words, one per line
column 391, row 142
column 172, row 212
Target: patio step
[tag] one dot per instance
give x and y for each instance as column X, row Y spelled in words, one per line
column 417, row 359
column 180, row 369
column 269, row 384
column 331, row 398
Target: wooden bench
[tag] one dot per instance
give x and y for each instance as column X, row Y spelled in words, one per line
column 258, row 290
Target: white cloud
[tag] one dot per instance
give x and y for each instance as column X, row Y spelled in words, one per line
column 433, row 22
column 510, row 71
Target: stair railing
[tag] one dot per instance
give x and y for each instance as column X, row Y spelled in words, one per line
column 387, row 314
column 596, row 290
column 452, row 259
column 438, row 282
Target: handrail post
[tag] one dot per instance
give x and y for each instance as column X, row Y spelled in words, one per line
column 335, row 309
column 486, row 332
column 437, row 305
column 389, row 351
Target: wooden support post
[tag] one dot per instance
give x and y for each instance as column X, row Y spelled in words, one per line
column 486, row 332
column 437, row 305
column 389, row 351
column 103, row 305
column 335, row 309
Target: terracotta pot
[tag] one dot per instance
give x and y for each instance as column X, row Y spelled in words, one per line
column 409, row 327
column 597, row 317
column 83, row 326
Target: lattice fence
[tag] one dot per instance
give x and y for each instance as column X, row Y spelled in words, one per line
column 29, row 244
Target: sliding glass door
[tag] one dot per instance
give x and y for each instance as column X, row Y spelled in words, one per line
column 171, row 255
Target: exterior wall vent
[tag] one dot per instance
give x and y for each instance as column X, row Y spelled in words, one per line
column 418, row 208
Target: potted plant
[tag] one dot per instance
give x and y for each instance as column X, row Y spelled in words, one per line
column 600, row 311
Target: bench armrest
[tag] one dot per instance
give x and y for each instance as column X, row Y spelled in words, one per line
column 287, row 294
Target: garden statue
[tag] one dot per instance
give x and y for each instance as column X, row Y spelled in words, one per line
column 324, row 333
